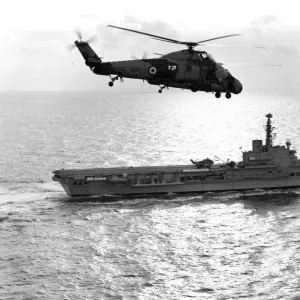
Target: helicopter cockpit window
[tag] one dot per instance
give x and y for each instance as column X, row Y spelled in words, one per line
column 199, row 56
column 196, row 56
column 204, row 56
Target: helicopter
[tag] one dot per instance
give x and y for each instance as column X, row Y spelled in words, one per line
column 186, row 69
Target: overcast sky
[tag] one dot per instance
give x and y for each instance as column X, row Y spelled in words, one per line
column 35, row 33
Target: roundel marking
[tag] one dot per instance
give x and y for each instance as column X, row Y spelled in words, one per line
column 152, row 70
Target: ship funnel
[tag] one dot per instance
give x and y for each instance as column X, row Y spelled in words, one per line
column 257, row 146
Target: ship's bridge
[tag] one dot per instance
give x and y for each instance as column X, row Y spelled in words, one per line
column 272, row 155
column 257, row 156
column 268, row 154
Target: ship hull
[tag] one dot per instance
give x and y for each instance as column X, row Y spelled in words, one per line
column 105, row 187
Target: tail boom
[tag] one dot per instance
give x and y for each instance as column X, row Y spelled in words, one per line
column 89, row 55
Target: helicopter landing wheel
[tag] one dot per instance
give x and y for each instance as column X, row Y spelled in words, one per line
column 228, row 95
column 217, row 94
column 161, row 88
column 110, row 83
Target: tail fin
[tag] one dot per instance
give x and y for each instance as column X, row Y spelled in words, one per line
column 89, row 55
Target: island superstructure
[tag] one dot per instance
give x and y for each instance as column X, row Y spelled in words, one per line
column 264, row 167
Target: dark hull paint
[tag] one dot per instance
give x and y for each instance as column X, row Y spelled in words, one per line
column 190, row 188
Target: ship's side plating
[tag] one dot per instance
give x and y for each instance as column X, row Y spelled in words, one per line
column 181, row 180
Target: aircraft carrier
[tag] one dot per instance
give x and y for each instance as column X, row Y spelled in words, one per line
column 264, row 167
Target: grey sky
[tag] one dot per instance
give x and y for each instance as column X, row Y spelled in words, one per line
column 35, row 34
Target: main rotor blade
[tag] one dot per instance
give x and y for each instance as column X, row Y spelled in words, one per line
column 164, row 39
column 144, row 33
column 224, row 45
column 250, row 65
column 217, row 38
column 173, row 42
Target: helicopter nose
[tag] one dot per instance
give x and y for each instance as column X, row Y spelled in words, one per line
column 234, row 85
column 237, row 86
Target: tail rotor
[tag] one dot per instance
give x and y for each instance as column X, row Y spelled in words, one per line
column 92, row 60
column 79, row 35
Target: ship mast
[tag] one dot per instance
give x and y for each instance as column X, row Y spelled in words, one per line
column 269, row 130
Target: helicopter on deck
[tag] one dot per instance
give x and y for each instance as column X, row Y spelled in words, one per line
column 186, row 69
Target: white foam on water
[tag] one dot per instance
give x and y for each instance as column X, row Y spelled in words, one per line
column 19, row 197
column 23, row 197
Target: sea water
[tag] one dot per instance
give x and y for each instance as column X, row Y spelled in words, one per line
column 213, row 246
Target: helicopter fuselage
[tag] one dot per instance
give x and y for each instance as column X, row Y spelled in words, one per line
column 185, row 69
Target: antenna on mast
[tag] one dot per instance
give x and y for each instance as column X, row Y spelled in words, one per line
column 269, row 131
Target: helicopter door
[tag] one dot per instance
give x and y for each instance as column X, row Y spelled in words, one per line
column 192, row 73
